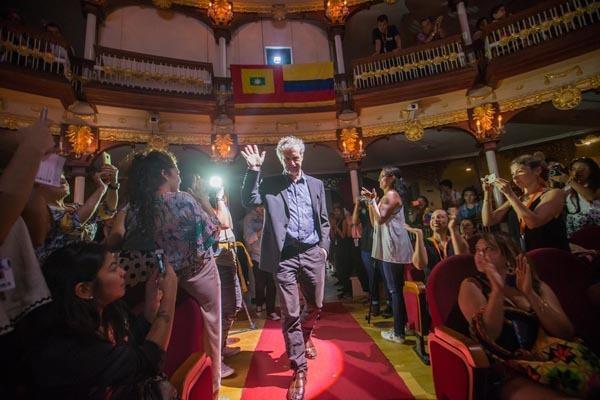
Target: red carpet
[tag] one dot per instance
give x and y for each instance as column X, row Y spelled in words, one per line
column 349, row 364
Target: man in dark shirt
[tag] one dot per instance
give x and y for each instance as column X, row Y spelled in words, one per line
column 294, row 246
column 385, row 37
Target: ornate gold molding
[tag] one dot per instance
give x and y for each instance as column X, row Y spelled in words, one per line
column 426, row 122
column 561, row 74
column 137, row 136
column 266, row 8
column 590, row 82
column 12, row 121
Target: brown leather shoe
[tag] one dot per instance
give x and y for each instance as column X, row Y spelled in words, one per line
column 297, row 386
column 311, row 350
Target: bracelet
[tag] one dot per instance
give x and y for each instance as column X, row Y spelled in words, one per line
column 114, row 186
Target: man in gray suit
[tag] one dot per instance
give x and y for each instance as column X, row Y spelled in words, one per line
column 294, row 246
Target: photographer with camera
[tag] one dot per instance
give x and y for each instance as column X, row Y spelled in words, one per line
column 431, row 29
column 538, row 210
column 581, row 182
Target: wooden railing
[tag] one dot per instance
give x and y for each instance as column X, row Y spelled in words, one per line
column 143, row 71
column 31, row 49
column 544, row 22
column 409, row 64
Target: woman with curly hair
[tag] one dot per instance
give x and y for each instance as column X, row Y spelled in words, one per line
column 521, row 324
column 184, row 226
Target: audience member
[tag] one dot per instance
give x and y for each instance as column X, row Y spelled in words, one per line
column 431, row 29
column 539, row 209
column 391, row 244
column 184, row 225
column 467, row 229
column 362, row 220
column 341, row 238
column 521, row 324
column 450, row 197
column 583, row 194
column 385, row 37
column 54, row 224
column 92, row 347
column 499, row 12
column 481, row 23
column 265, row 292
column 471, row 207
column 227, row 266
column 443, row 243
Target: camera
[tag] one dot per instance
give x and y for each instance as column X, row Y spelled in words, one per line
column 556, row 170
column 490, row 179
column 160, row 261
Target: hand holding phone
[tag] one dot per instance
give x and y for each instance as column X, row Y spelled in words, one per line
column 160, row 261
column 106, row 158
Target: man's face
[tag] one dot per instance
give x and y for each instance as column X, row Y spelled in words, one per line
column 382, row 25
column 426, row 26
column 292, row 162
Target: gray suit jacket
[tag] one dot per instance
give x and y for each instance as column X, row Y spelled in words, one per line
column 270, row 192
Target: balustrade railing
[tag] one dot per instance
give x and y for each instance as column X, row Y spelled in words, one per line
column 547, row 21
column 31, row 49
column 409, row 64
column 143, row 71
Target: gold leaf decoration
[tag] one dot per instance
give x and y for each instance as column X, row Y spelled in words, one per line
column 162, row 4
column 485, row 115
column 222, row 145
column 566, row 98
column 414, row 131
column 349, row 137
column 80, row 138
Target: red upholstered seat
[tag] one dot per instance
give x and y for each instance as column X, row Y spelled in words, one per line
column 569, row 278
column 416, row 308
column 187, row 365
column 587, row 237
column 459, row 365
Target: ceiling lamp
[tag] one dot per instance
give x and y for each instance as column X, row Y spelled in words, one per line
column 488, row 123
column 81, row 140
column 222, row 146
column 351, row 143
column 220, row 12
column 336, row 11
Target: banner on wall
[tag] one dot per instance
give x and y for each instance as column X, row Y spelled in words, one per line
column 290, row 85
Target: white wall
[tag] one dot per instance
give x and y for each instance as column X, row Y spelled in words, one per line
column 308, row 42
column 161, row 33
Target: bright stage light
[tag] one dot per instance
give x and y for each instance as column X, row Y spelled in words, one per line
column 215, row 181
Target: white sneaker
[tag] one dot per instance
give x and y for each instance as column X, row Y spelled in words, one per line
column 230, row 351
column 226, row 370
column 392, row 337
column 274, row 316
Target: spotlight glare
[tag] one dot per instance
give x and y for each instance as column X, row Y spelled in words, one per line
column 215, row 181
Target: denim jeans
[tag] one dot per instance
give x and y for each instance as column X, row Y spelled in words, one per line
column 394, row 278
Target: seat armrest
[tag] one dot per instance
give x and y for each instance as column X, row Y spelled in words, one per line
column 414, row 287
column 188, row 373
column 471, row 351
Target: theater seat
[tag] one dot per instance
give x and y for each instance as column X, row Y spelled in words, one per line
column 587, row 237
column 416, row 308
column 459, row 365
column 187, row 365
column 569, row 278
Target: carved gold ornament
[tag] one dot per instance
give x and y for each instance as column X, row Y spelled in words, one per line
column 279, row 12
column 414, row 131
column 154, row 76
column 566, row 98
column 349, row 139
column 158, row 142
column 379, row 73
column 81, row 139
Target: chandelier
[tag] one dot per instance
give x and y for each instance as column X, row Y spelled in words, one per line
column 488, row 123
column 220, row 12
column 351, row 144
column 221, row 146
column 336, row 11
column 81, row 140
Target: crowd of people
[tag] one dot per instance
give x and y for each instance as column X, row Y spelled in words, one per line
column 67, row 323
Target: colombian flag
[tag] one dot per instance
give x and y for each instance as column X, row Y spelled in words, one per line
column 281, row 86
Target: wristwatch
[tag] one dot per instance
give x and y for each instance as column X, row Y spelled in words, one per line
column 114, row 186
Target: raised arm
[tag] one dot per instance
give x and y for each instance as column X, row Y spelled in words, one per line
column 489, row 216
column 459, row 244
column 419, row 258
column 251, row 183
column 17, row 178
column 386, row 208
column 88, row 209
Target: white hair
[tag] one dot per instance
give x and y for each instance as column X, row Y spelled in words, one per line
column 289, row 143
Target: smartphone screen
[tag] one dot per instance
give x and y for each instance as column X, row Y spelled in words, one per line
column 160, row 261
column 106, row 158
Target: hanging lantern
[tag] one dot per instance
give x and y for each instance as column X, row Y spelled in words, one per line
column 81, row 138
column 220, row 12
column 336, row 11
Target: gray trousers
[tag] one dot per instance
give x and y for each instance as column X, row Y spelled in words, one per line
column 231, row 297
column 304, row 268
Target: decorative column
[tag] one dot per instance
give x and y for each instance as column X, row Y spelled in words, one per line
column 465, row 29
column 354, row 167
column 489, row 149
column 79, row 186
column 92, row 10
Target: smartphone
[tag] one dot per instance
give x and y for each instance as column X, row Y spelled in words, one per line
column 160, row 261
column 50, row 170
column 489, row 179
column 106, row 158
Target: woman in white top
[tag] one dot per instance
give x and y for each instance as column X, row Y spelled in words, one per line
column 391, row 244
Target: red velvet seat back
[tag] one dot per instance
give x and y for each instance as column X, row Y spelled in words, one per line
column 443, row 286
column 587, row 237
column 569, row 278
column 411, row 273
column 187, row 334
